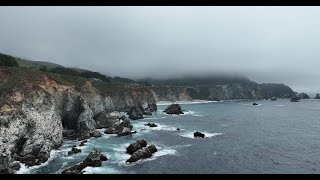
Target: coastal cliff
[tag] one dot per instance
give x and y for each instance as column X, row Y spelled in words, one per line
column 230, row 91
column 38, row 110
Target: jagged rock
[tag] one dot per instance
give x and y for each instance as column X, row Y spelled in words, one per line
column 133, row 147
column 273, row 99
column 143, row 153
column 93, row 159
column 198, row 134
column 106, row 119
column 103, row 157
column 74, row 150
column 122, row 125
column 39, row 112
column 173, row 109
column 151, row 125
column 317, row 96
column 295, row 99
column 125, row 132
column 153, row 107
column 254, row 104
column 135, row 113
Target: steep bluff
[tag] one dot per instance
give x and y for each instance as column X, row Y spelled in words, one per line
column 37, row 109
column 250, row 90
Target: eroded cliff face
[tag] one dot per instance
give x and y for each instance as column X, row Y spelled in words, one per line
column 164, row 93
column 37, row 112
column 223, row 92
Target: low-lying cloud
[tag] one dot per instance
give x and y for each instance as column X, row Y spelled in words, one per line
column 267, row 44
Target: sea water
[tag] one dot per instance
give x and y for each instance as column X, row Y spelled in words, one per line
column 273, row 137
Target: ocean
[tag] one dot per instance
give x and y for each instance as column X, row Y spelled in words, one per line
column 272, row 137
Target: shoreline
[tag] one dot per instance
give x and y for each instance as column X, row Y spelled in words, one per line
column 195, row 101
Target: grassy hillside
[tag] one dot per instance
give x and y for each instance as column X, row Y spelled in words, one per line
column 36, row 64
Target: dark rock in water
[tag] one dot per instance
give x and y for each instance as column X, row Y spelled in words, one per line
column 198, row 134
column 93, row 160
column 133, row 147
column 135, row 113
column 133, row 132
column 317, row 96
column 273, row 99
column 267, row 99
column 103, row 157
column 295, row 99
column 143, row 153
column 114, row 122
column 151, row 125
column 152, row 148
column 303, row 96
column 254, row 104
column 142, row 129
column 120, row 127
column 173, row 109
column 74, row 150
column 82, row 142
column 153, row 107
column 125, row 132
column 178, row 129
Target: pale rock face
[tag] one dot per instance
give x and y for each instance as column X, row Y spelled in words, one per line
column 109, row 104
column 34, row 129
column 34, row 126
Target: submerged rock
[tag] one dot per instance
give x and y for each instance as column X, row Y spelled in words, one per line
column 93, row 160
column 198, row 134
column 133, row 147
column 143, row 153
column 151, row 125
column 254, row 104
column 173, row 109
column 178, row 129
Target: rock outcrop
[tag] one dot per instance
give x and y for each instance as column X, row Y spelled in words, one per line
column 151, row 125
column 173, row 109
column 198, row 134
column 139, row 150
column 37, row 111
column 143, row 153
column 133, row 147
column 295, row 99
column 303, row 96
column 137, row 111
column 94, row 159
column 317, row 96
column 74, row 150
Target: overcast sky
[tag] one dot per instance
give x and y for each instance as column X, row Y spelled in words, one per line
column 267, row 44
